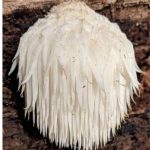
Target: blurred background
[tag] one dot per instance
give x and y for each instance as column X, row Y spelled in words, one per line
column 133, row 17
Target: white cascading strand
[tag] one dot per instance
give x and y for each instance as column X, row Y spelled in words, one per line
column 77, row 71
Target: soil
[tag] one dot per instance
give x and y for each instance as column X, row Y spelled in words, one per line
column 134, row 134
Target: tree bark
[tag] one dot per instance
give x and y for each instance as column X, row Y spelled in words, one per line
column 12, row 5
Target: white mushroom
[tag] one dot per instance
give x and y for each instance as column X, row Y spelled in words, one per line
column 78, row 73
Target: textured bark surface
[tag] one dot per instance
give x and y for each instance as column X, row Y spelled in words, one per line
column 134, row 19
column 12, row 5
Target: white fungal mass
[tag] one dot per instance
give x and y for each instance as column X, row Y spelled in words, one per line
column 78, row 73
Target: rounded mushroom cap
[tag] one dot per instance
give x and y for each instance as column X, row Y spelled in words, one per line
column 78, row 72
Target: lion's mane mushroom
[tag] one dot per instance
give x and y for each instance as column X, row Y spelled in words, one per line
column 78, row 73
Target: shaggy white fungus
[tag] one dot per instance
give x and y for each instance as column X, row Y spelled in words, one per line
column 78, row 73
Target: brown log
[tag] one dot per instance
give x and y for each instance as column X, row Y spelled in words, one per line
column 12, row 5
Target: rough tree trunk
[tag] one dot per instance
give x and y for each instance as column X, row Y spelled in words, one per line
column 11, row 5
column 133, row 16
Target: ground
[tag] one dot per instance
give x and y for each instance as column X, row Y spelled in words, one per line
column 134, row 134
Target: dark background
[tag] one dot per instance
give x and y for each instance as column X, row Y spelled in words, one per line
column 18, row 133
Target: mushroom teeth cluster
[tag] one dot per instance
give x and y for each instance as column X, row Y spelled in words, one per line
column 78, row 73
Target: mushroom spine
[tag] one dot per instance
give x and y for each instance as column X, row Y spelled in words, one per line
column 78, row 73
